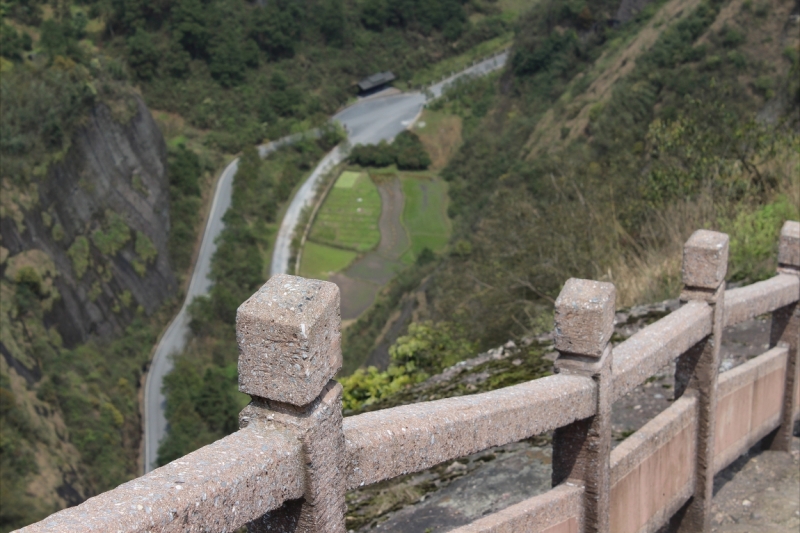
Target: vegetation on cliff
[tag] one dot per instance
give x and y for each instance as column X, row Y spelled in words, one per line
column 594, row 154
column 75, row 265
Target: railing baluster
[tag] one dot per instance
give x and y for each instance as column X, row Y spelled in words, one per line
column 289, row 335
column 584, row 320
column 786, row 328
column 705, row 263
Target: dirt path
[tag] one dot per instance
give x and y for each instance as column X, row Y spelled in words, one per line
column 394, row 239
column 361, row 281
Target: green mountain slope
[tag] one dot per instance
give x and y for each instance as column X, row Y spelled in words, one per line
column 100, row 216
column 605, row 152
column 604, row 146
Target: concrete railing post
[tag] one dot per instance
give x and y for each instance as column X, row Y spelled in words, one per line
column 705, row 263
column 786, row 328
column 584, row 320
column 289, row 336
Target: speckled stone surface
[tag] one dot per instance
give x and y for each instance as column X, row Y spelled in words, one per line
column 748, row 302
column 289, row 339
column 705, row 259
column 219, row 487
column 318, row 428
column 645, row 352
column 789, row 247
column 697, row 370
column 385, row 444
column 584, row 317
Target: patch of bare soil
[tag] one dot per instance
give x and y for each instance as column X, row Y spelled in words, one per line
column 441, row 138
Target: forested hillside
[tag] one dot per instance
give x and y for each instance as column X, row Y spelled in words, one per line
column 602, row 146
column 606, row 147
column 100, row 212
column 251, row 70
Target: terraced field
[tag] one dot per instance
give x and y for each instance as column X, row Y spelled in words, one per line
column 320, row 261
column 349, row 217
column 425, row 214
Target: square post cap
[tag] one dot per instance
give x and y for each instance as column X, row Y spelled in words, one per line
column 289, row 336
column 789, row 247
column 705, row 259
column 584, row 317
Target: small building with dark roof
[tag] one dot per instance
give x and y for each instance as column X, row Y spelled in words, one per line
column 376, row 81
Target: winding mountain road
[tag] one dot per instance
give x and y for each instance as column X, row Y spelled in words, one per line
column 368, row 121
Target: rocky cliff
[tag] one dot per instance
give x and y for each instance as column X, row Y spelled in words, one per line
column 102, row 218
column 83, row 259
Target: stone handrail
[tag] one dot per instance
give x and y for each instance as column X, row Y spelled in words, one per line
column 290, row 464
column 759, row 298
column 648, row 350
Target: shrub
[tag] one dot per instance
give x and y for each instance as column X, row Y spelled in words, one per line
column 731, row 37
column 431, row 347
column 373, row 155
column 79, row 253
column 114, row 236
column 754, row 238
column 410, row 154
column 407, row 152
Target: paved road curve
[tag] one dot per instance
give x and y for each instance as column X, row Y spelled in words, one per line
column 174, row 338
column 368, row 122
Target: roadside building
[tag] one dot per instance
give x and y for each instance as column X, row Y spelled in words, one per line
column 375, row 83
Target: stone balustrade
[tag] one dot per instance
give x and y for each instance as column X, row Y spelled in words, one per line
column 287, row 469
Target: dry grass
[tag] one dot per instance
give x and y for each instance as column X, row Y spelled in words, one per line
column 652, row 271
column 441, row 136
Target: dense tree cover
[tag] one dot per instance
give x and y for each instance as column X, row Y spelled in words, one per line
column 250, row 70
column 42, row 104
column 184, row 170
column 406, row 151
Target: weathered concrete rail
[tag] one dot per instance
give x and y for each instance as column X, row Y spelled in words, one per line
column 292, row 461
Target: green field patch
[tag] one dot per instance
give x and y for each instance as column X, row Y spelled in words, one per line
column 425, row 214
column 320, row 261
column 349, row 216
column 346, row 180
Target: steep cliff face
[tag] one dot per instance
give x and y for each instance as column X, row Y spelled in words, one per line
column 102, row 217
column 83, row 258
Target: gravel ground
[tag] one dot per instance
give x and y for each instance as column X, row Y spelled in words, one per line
column 759, row 492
